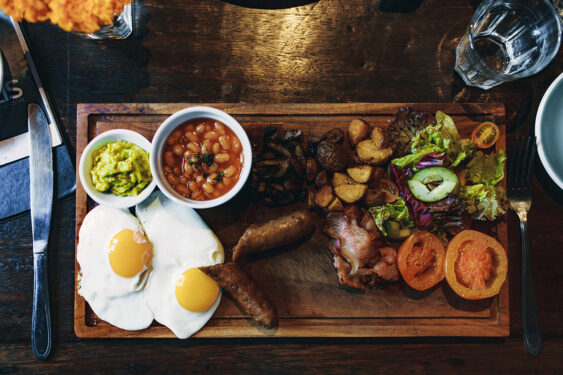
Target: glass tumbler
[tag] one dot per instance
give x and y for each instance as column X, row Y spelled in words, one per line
column 121, row 28
column 508, row 40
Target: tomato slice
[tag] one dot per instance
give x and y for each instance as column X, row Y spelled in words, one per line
column 421, row 260
column 391, row 190
column 476, row 265
column 485, row 135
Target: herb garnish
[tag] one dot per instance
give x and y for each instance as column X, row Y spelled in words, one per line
column 219, row 176
column 198, row 159
column 208, row 158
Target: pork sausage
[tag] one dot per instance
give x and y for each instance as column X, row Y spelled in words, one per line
column 275, row 233
column 248, row 295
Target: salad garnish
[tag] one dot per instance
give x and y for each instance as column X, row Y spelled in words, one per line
column 443, row 181
column 393, row 219
column 439, row 137
column 483, row 202
column 487, row 169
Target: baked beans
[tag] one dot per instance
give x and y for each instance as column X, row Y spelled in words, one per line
column 202, row 159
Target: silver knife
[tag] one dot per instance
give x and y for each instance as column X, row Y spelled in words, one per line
column 41, row 194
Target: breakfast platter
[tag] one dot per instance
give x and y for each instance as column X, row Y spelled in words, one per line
column 302, row 283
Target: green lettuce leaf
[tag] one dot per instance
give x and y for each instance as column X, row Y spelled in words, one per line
column 466, row 150
column 413, row 159
column 396, row 211
column 441, row 137
column 430, row 136
column 449, row 131
column 483, row 202
column 486, row 169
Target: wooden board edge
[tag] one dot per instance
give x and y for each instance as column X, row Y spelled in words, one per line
column 502, row 235
column 239, row 328
column 495, row 109
column 350, row 331
column 80, row 328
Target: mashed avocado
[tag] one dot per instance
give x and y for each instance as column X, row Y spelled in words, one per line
column 121, row 167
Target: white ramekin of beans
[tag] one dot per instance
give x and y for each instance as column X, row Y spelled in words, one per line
column 201, row 157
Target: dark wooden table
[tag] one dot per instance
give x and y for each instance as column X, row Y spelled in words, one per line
column 326, row 51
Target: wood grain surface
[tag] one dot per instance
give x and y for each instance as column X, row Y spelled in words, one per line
column 302, row 283
column 201, row 51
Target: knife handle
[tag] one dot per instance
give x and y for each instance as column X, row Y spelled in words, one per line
column 41, row 318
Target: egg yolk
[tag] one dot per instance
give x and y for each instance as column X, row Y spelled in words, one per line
column 195, row 291
column 129, row 253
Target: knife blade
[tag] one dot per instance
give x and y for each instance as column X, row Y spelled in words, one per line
column 41, row 204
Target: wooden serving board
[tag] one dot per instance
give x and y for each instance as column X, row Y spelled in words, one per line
column 302, row 282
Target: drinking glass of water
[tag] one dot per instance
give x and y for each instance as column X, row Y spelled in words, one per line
column 508, row 40
column 121, row 28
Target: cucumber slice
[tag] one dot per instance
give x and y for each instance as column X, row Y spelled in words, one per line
column 433, row 184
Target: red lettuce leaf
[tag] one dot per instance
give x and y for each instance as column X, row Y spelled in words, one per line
column 431, row 160
column 449, row 215
column 419, row 211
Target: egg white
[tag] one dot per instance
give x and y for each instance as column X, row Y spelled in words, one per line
column 181, row 240
column 118, row 300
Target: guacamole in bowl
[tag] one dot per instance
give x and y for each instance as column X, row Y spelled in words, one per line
column 120, row 167
column 114, row 168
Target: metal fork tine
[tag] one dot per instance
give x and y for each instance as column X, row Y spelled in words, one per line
column 525, row 157
column 512, row 163
column 531, row 161
column 524, row 150
column 524, row 171
column 519, row 161
column 522, row 164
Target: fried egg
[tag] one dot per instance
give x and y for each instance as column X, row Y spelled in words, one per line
column 115, row 262
column 179, row 295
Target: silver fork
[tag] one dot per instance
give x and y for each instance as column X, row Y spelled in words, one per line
column 520, row 198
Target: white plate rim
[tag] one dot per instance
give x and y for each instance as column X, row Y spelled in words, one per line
column 539, row 115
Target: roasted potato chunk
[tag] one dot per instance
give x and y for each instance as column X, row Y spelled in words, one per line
column 332, row 156
column 378, row 136
column 351, row 193
column 374, row 197
column 361, row 174
column 336, row 205
column 358, row 130
column 368, row 151
column 390, row 189
column 340, row 178
column 324, row 196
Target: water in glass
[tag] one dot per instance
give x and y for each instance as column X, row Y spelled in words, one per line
column 507, row 40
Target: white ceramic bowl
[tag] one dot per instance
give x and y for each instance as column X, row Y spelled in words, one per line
column 549, row 131
column 85, row 166
column 169, row 125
